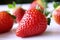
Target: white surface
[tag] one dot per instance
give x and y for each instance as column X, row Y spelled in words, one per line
column 52, row 32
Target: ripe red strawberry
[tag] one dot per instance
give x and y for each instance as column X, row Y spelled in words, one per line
column 32, row 23
column 56, row 15
column 19, row 12
column 37, row 2
column 6, row 22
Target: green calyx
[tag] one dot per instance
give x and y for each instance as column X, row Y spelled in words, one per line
column 13, row 5
column 38, row 8
column 55, row 4
column 44, row 3
column 45, row 11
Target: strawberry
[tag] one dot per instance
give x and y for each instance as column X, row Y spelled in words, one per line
column 37, row 2
column 6, row 21
column 32, row 23
column 56, row 15
column 19, row 12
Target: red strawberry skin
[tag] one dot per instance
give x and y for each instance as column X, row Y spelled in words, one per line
column 56, row 16
column 6, row 22
column 19, row 12
column 32, row 23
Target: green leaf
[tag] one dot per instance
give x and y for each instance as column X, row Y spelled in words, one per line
column 44, row 3
column 47, row 13
column 49, row 20
column 13, row 5
column 10, row 6
column 56, row 4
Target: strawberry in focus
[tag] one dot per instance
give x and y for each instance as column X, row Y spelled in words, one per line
column 6, row 22
column 56, row 15
column 19, row 12
column 32, row 23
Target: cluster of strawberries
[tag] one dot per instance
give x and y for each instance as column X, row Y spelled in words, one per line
column 31, row 22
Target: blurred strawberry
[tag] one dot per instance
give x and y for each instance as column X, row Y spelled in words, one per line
column 32, row 23
column 56, row 15
column 6, row 21
column 19, row 12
